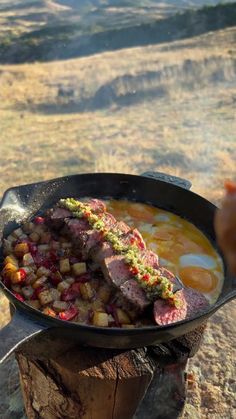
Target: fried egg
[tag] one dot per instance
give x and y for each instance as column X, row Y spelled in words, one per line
column 181, row 247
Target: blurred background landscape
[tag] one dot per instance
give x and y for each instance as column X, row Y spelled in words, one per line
column 126, row 86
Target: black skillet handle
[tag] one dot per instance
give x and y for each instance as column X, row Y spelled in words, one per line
column 19, row 330
column 183, row 183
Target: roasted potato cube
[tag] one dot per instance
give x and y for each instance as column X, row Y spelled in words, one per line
column 70, row 280
column 43, row 248
column 63, row 285
column 86, row 291
column 11, row 259
column 55, row 294
column 17, row 233
column 55, row 245
column 59, row 306
column 9, row 269
column 122, row 316
column 28, row 259
column 64, row 266
column 104, row 293
column 34, row 237
column 7, row 247
column 28, row 227
column 39, row 282
column 39, row 229
column 45, row 238
column 16, row 277
column 11, row 238
column 49, row 311
column 79, row 268
column 27, row 292
column 42, row 271
column 34, row 303
column 97, row 305
column 45, row 297
column 31, row 278
column 21, row 249
column 16, row 288
column 66, row 245
column 100, row 319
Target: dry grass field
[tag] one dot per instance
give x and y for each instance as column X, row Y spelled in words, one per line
column 168, row 106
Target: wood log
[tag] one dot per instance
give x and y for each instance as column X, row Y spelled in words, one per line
column 85, row 383
column 60, row 380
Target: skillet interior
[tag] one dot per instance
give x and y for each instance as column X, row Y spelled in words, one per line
column 23, row 201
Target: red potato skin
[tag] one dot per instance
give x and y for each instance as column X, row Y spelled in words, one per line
column 225, row 226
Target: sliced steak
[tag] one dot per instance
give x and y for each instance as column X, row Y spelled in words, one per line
column 76, row 227
column 193, row 303
column 164, row 313
column 88, row 240
column 101, row 251
column 56, row 217
column 135, row 294
column 149, row 258
column 96, row 205
column 196, row 302
column 108, row 220
column 174, row 279
column 115, row 270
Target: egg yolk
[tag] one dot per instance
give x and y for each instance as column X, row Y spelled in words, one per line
column 198, row 278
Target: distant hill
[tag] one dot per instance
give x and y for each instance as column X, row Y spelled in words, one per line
column 63, row 36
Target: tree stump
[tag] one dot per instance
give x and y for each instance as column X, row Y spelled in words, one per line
column 60, row 380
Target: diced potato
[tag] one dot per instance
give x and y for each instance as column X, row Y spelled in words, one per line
column 11, row 238
column 39, row 282
column 28, row 227
column 43, row 248
column 64, row 266
column 100, row 319
column 55, row 245
column 45, row 238
column 27, row 292
column 21, row 249
column 97, row 305
column 9, row 269
column 70, row 280
column 16, row 288
column 104, row 293
column 17, row 233
column 7, row 247
column 11, row 259
column 63, row 239
column 16, row 277
column 31, row 278
column 34, row 303
column 95, row 282
column 34, row 237
column 28, row 270
column 60, row 306
column 45, row 297
column 39, row 229
column 55, row 294
column 86, row 291
column 122, row 316
column 66, row 245
column 63, row 285
column 79, row 268
column 42, row 271
column 28, row 259
column 49, row 311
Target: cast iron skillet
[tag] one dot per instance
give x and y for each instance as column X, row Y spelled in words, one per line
column 162, row 190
